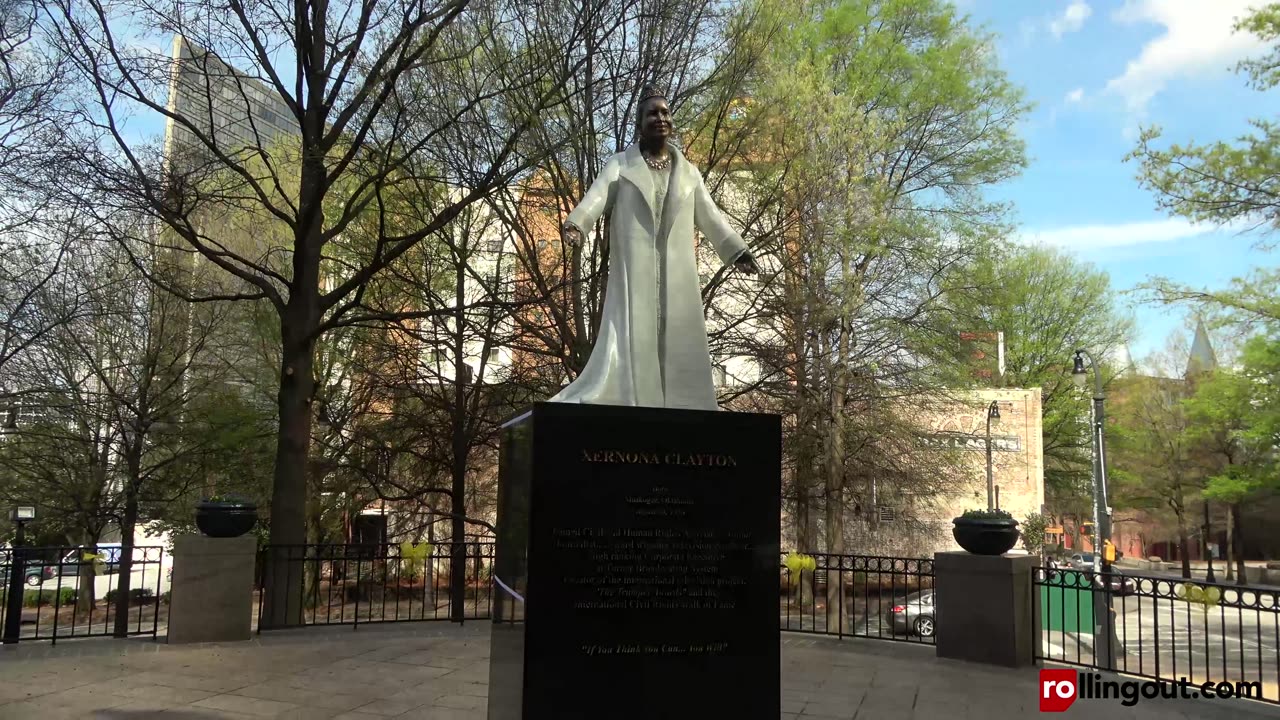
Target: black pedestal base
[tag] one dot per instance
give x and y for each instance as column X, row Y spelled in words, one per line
column 637, row 565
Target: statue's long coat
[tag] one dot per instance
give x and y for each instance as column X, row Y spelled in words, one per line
column 652, row 346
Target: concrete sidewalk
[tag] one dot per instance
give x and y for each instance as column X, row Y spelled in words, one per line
column 436, row 671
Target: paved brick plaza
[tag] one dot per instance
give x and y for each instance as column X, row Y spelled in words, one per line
column 434, row 671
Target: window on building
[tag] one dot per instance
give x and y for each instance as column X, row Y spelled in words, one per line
column 887, row 514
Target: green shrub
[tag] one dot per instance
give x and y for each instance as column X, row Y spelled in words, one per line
column 1033, row 533
column 135, row 595
column 33, row 598
column 987, row 515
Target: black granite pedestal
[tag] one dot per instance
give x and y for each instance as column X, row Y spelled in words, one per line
column 637, row 565
column 986, row 612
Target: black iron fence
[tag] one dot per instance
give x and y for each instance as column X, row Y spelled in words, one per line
column 1161, row 628
column 887, row 598
column 375, row 583
column 71, row 592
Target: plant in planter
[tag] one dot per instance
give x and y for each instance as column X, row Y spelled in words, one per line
column 986, row 532
column 226, row 516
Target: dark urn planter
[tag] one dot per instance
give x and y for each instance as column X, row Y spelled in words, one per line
column 226, row 518
column 982, row 536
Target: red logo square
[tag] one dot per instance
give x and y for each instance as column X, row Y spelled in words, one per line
column 1057, row 689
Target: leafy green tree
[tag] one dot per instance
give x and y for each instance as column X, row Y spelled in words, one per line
column 878, row 124
column 1155, row 463
column 1235, row 416
column 1229, row 183
column 1049, row 304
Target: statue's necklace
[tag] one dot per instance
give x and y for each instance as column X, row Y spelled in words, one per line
column 662, row 164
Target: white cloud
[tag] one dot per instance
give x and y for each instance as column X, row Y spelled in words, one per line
column 1071, row 19
column 1076, row 95
column 1094, row 237
column 1197, row 39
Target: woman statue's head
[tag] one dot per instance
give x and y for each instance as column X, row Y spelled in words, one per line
column 653, row 116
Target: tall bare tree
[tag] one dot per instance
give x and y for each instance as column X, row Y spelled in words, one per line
column 454, row 85
column 33, row 240
column 107, row 427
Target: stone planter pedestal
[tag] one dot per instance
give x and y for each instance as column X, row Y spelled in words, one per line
column 212, row 588
column 983, row 605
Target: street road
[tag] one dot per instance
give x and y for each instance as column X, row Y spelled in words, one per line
column 1235, row 639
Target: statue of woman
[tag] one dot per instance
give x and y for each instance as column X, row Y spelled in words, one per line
column 652, row 350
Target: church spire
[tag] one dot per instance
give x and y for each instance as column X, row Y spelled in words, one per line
column 1202, row 358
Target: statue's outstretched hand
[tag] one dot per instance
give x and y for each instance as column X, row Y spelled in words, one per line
column 571, row 235
column 746, row 264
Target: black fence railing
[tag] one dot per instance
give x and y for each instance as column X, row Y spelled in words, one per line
column 886, row 598
column 1161, row 628
column 376, row 583
column 68, row 592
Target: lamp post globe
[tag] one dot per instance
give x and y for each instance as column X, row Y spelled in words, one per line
column 1078, row 374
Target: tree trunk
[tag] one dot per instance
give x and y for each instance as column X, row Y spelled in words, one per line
column 1237, row 544
column 834, row 525
column 806, row 530
column 835, row 476
column 283, row 591
column 128, row 521
column 803, row 538
column 805, row 432
column 457, row 495
column 458, row 529
column 86, row 589
column 1184, row 546
column 299, row 321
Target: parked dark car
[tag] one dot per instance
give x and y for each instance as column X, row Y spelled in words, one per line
column 35, row 574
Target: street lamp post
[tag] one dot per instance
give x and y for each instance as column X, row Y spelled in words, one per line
column 20, row 516
column 1103, row 626
column 993, row 413
column 1206, row 533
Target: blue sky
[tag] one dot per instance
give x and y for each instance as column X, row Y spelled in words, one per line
column 1098, row 71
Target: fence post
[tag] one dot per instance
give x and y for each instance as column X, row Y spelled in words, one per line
column 356, row 624
column 263, row 559
column 1155, row 625
column 840, row 598
column 13, row 600
column 155, row 619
